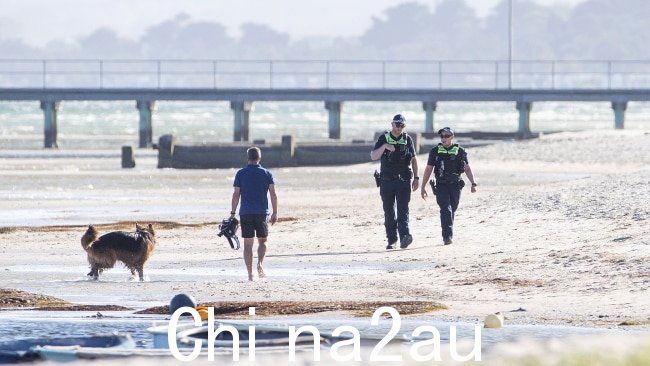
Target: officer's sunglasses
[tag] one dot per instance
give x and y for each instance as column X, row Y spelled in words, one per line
column 400, row 125
column 445, row 136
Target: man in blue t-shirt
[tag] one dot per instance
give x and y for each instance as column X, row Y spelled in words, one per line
column 252, row 183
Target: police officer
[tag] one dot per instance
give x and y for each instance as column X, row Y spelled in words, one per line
column 447, row 161
column 397, row 153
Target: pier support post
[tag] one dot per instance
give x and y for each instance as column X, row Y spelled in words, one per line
column 619, row 114
column 429, row 109
column 334, row 109
column 145, row 109
column 50, row 109
column 241, row 111
column 524, row 109
column 287, row 155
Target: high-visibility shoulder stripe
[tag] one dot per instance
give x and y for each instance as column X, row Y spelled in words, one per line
column 451, row 151
column 392, row 141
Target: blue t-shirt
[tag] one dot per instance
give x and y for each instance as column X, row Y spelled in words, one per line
column 253, row 182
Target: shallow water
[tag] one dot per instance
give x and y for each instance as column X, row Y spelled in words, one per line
column 37, row 324
column 67, row 281
column 196, row 273
column 90, row 187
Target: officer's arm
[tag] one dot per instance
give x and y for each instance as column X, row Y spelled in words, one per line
column 379, row 151
column 468, row 172
column 235, row 201
column 376, row 153
column 425, row 179
column 470, row 176
column 414, row 166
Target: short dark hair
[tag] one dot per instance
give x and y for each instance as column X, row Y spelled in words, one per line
column 254, row 153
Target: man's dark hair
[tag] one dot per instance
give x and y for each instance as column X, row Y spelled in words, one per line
column 254, row 153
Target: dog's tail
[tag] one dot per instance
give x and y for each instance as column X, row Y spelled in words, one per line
column 89, row 237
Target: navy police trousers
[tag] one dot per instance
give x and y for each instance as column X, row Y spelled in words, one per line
column 447, row 196
column 393, row 193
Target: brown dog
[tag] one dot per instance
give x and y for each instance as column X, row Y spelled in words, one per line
column 131, row 248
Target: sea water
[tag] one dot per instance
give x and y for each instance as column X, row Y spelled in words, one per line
column 24, row 324
column 103, row 124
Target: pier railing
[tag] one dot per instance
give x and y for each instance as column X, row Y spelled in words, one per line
column 325, row 74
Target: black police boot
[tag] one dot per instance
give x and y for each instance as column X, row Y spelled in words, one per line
column 391, row 244
column 447, row 241
column 406, row 241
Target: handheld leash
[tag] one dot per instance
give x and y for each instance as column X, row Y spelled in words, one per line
column 228, row 228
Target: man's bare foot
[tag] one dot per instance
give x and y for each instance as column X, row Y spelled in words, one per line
column 260, row 271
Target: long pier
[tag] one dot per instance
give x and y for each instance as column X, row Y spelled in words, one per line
column 332, row 82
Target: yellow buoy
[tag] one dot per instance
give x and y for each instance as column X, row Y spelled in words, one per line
column 203, row 312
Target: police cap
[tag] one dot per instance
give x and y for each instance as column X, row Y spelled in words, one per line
column 399, row 119
column 447, row 130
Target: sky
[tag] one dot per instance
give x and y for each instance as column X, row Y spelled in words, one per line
column 37, row 22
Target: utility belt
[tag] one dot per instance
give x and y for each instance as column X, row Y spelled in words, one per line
column 400, row 176
column 451, row 180
column 448, row 178
column 379, row 177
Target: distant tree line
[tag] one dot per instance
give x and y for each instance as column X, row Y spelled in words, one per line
column 595, row 29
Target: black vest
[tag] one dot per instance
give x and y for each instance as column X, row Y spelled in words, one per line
column 396, row 162
column 449, row 164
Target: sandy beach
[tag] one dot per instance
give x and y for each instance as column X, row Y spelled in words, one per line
column 557, row 234
column 559, row 228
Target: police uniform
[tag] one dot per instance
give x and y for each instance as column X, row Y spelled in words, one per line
column 395, row 184
column 448, row 164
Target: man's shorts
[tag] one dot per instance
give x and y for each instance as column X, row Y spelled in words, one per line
column 252, row 224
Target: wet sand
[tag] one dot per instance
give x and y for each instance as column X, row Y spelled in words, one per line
column 557, row 234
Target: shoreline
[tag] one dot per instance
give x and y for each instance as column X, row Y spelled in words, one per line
column 412, row 311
